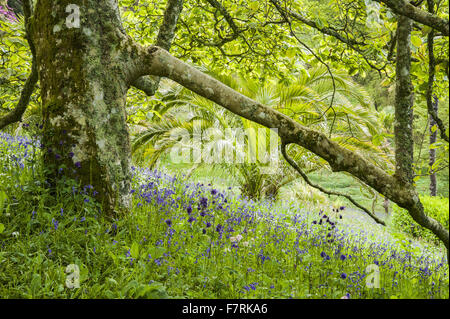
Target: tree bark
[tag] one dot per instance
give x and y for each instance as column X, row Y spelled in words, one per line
column 404, row 101
column 404, row 151
column 83, row 72
column 149, row 85
column 431, row 76
column 433, row 139
column 406, row 9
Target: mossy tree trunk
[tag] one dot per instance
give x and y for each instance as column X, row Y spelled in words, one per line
column 404, row 102
column 83, row 72
column 432, row 152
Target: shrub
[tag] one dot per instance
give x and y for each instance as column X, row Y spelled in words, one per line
column 435, row 207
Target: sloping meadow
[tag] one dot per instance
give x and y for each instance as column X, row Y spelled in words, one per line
column 187, row 240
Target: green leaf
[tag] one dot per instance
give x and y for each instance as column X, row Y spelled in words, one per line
column 416, row 41
column 433, row 128
column 134, row 251
column 35, row 283
column 254, row 6
column 3, row 198
column 113, row 257
column 377, row 139
column 290, row 53
column 2, row 228
column 435, row 145
column 156, row 252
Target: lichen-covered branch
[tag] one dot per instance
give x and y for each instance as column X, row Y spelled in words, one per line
column 328, row 192
column 149, row 85
column 431, row 74
column 167, row 30
column 16, row 114
column 404, row 101
column 159, row 62
column 406, row 9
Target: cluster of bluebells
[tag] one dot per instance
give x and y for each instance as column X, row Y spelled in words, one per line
column 281, row 237
column 231, row 221
column 16, row 152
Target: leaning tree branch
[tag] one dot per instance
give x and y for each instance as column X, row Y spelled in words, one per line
column 16, row 114
column 431, row 76
column 149, row 85
column 159, row 62
column 328, row 192
column 404, row 8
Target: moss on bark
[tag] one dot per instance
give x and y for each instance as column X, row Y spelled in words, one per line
column 84, row 84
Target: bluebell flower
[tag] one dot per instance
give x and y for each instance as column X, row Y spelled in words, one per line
column 55, row 223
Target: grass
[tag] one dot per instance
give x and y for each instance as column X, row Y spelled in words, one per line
column 328, row 180
column 188, row 240
column 348, row 185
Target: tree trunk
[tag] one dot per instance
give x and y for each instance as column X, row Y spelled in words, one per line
column 432, row 102
column 404, row 101
column 84, row 80
column 433, row 138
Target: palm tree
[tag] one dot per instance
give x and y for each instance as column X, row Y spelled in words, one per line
column 350, row 120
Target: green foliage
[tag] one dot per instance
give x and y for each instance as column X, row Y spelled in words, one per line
column 140, row 256
column 435, row 207
column 279, row 254
column 15, row 68
column 352, row 121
